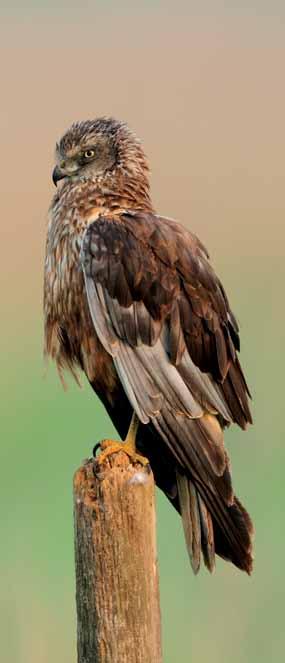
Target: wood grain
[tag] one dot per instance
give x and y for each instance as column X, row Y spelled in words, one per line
column 117, row 593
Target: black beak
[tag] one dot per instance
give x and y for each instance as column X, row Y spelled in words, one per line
column 57, row 175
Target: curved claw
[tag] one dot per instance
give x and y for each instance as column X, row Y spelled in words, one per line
column 109, row 447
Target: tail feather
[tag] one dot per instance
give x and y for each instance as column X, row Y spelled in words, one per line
column 209, row 534
column 241, row 556
column 213, row 518
column 197, row 524
column 207, row 539
column 233, row 530
column 191, row 520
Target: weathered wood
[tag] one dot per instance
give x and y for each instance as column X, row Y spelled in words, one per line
column 117, row 594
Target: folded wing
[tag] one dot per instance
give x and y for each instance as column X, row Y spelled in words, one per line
column 162, row 314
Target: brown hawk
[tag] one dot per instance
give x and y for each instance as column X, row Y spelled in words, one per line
column 131, row 299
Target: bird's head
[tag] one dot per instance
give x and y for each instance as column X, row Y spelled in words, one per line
column 97, row 150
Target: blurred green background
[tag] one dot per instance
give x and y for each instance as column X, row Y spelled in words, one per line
column 204, row 89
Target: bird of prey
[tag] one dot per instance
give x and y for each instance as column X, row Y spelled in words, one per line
column 130, row 298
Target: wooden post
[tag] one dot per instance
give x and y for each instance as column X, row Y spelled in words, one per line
column 117, row 594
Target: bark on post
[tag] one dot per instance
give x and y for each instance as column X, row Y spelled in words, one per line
column 117, row 594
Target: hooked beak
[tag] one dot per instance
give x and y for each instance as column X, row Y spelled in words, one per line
column 57, row 175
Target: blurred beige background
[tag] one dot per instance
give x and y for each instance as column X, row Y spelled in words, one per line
column 205, row 92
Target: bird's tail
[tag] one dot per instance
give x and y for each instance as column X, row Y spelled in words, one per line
column 214, row 520
column 228, row 535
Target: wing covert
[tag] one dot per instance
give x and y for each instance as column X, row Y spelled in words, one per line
column 150, row 285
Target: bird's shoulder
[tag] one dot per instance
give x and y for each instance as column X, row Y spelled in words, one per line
column 142, row 247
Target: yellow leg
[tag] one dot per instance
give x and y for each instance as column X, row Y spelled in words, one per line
column 109, row 447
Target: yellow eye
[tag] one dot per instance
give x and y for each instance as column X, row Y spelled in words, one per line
column 89, row 154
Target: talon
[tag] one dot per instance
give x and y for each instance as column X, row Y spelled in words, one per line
column 109, row 447
column 95, row 449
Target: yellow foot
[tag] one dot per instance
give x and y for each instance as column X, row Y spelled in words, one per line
column 109, row 447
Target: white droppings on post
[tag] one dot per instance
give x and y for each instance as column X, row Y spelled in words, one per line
column 139, row 477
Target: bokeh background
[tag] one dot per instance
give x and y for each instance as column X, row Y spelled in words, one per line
column 203, row 85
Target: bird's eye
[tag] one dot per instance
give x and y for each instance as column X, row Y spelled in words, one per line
column 88, row 154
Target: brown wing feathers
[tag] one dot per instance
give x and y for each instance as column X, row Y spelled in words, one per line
column 159, row 309
column 145, row 262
